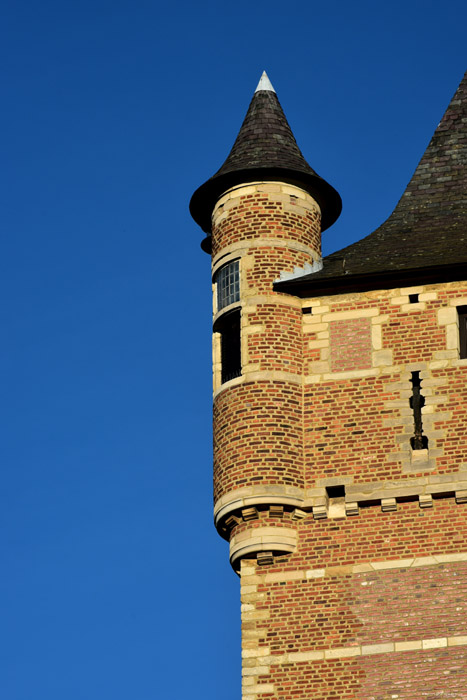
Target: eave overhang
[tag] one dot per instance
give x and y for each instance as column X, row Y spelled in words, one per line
column 205, row 197
column 344, row 284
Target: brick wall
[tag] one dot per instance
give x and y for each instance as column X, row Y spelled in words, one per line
column 266, row 210
column 258, row 436
column 356, row 593
column 358, row 421
column 360, row 603
column 258, row 418
column 371, row 605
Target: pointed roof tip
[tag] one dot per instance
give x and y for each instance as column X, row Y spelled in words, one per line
column 265, row 149
column 264, row 83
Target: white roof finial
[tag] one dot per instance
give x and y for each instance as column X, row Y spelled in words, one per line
column 264, row 83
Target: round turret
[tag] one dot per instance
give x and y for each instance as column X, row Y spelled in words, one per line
column 265, row 150
column 264, row 210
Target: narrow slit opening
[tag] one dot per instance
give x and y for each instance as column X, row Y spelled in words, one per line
column 462, row 319
column 417, row 401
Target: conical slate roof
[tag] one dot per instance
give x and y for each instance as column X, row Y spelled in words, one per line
column 265, row 149
column 426, row 235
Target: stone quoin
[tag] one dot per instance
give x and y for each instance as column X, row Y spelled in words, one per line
column 340, row 419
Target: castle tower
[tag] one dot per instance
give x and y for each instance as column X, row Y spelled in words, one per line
column 340, row 415
column 263, row 211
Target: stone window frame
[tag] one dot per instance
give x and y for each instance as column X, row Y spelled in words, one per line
column 227, row 281
column 222, row 318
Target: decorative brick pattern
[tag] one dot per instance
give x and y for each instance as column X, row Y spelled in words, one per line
column 350, row 344
column 359, row 422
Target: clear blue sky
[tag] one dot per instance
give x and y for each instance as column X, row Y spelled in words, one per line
column 114, row 582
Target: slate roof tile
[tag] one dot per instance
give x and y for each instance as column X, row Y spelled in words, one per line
column 265, row 149
column 428, row 228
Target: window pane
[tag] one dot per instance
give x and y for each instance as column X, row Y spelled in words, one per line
column 228, row 285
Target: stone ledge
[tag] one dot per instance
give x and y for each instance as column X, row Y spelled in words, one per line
column 286, row 496
column 235, row 250
column 262, row 539
column 351, row 569
column 258, row 376
column 314, row 501
column 251, row 301
column 430, row 485
column 363, row 650
column 386, row 493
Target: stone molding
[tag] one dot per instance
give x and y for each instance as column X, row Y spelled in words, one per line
column 429, row 485
column 266, row 375
column 382, row 357
column 433, row 484
column 274, row 187
column 288, row 496
column 315, row 501
column 261, row 539
column 350, row 569
column 234, row 251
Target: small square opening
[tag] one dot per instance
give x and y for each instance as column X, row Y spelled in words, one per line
column 307, row 310
column 335, row 491
column 413, row 298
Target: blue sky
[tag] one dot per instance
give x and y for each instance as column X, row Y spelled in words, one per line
column 115, row 583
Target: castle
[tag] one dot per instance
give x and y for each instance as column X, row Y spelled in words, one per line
column 340, row 419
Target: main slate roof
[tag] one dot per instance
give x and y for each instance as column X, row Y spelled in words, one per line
column 425, row 238
column 265, row 149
